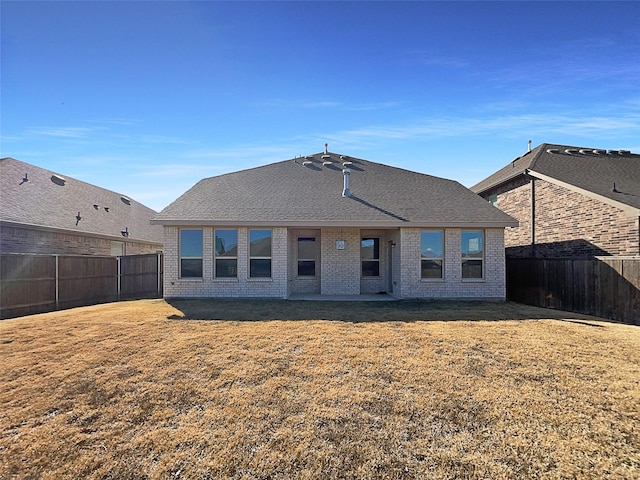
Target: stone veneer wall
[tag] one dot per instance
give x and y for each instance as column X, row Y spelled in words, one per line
column 567, row 223
column 242, row 286
column 18, row 239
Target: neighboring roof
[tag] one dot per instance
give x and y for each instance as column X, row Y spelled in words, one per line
column 307, row 191
column 589, row 170
column 31, row 195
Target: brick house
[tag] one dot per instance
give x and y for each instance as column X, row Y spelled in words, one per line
column 331, row 225
column 570, row 202
column 46, row 213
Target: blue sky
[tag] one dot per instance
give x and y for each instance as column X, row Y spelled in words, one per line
column 146, row 98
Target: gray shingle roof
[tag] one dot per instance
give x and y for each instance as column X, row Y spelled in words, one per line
column 588, row 169
column 51, row 200
column 307, row 191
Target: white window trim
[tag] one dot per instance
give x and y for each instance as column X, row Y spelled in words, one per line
column 180, row 257
column 216, row 257
column 250, row 257
column 484, row 263
column 442, row 259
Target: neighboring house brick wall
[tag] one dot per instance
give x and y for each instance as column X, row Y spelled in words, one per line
column 567, row 223
column 20, row 239
column 492, row 286
column 242, row 286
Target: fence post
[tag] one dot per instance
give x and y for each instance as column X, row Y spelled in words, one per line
column 158, row 272
column 118, row 275
column 57, row 257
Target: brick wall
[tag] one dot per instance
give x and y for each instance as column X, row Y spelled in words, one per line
column 242, row 286
column 567, row 223
column 340, row 268
column 18, row 239
column 492, row 286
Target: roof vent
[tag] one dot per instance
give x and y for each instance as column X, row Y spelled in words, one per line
column 345, row 191
column 58, row 180
column 553, row 150
column 326, row 148
column 571, row 151
column 611, row 152
column 625, row 152
column 529, row 146
column 327, row 163
column 344, row 164
column 597, row 152
column 25, row 179
column 584, row 151
column 125, row 200
column 307, row 162
column 96, row 206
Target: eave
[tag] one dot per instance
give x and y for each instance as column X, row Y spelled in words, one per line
column 628, row 210
column 342, row 224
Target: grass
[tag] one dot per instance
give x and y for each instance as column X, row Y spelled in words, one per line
column 276, row 389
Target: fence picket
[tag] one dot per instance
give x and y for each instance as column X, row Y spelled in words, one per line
column 607, row 287
column 31, row 283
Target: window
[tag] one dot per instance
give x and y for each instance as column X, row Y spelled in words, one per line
column 370, row 256
column 260, row 253
column 472, row 253
column 431, row 253
column 226, row 253
column 306, row 256
column 191, row 253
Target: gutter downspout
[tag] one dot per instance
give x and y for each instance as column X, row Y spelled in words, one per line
column 532, row 182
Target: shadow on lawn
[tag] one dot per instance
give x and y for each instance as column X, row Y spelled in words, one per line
column 402, row 310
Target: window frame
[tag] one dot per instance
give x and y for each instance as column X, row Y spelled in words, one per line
column 221, row 257
column 260, row 257
column 306, row 259
column 440, row 258
column 374, row 260
column 468, row 257
column 181, row 243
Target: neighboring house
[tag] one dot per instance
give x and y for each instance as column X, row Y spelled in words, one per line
column 43, row 212
column 570, row 202
column 332, row 225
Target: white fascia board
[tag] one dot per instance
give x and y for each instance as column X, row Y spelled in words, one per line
column 342, row 224
column 628, row 210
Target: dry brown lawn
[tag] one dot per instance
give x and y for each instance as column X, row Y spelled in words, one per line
column 318, row 390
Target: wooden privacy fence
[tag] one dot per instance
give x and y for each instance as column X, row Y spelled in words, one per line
column 607, row 287
column 42, row 283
